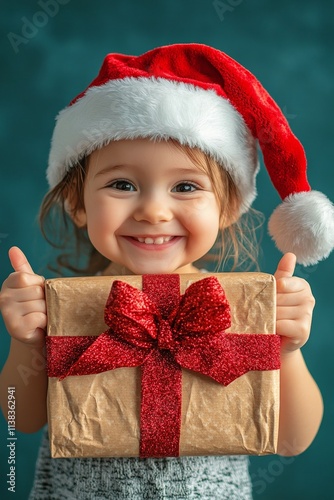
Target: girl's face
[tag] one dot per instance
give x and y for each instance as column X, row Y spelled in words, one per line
column 148, row 207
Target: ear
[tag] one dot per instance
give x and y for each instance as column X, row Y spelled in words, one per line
column 78, row 216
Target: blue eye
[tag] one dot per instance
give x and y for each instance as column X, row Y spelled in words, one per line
column 122, row 185
column 185, row 187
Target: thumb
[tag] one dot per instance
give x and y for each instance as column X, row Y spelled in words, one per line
column 19, row 261
column 286, row 266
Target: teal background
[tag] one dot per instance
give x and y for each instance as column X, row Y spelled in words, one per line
column 288, row 45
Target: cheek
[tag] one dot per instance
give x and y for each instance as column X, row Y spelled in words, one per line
column 98, row 217
column 202, row 213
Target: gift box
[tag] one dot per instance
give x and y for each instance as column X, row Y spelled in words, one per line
column 163, row 365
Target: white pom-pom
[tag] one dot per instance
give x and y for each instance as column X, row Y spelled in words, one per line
column 304, row 224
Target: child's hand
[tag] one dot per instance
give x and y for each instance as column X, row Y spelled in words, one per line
column 295, row 304
column 22, row 301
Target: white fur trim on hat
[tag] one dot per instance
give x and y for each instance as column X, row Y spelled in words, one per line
column 304, row 224
column 157, row 108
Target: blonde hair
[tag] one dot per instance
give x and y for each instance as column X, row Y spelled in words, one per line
column 236, row 246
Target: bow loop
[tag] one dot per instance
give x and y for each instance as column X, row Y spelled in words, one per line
column 203, row 313
column 131, row 315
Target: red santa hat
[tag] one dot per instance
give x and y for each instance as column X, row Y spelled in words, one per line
column 202, row 98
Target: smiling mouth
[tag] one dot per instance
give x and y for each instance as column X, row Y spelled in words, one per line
column 159, row 240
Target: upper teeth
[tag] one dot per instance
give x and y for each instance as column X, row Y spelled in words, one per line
column 155, row 241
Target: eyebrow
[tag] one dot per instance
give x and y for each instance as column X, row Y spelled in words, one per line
column 191, row 170
column 110, row 168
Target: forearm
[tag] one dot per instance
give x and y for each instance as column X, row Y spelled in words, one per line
column 301, row 406
column 25, row 370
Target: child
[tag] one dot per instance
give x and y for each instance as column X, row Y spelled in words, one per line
column 152, row 162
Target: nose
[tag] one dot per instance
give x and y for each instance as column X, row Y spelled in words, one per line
column 153, row 208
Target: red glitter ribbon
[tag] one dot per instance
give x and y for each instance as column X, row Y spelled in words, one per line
column 162, row 332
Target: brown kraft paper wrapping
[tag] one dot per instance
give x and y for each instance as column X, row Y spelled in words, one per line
column 98, row 415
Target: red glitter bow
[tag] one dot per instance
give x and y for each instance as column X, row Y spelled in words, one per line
column 162, row 332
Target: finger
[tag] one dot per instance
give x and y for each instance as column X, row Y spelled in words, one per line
column 19, row 261
column 286, row 266
column 290, row 312
column 36, row 337
column 28, row 321
column 293, row 285
column 35, row 320
column 29, row 294
column 35, row 327
column 287, row 329
column 22, row 280
column 289, row 344
column 26, row 308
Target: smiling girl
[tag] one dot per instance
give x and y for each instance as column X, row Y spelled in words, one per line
column 153, row 163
